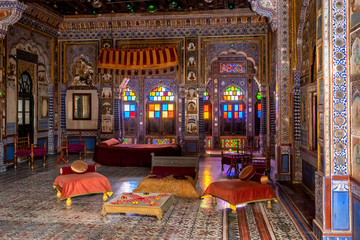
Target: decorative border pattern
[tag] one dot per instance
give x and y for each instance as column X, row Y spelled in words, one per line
column 283, row 73
column 326, row 60
column 340, row 82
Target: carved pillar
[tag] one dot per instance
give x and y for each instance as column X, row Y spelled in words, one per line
column 337, row 209
column 263, row 120
column 182, row 115
column 142, row 101
column 63, row 90
column 201, row 120
column 250, row 113
column 117, row 112
column 50, row 143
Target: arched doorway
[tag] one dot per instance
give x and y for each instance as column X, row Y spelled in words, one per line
column 25, row 107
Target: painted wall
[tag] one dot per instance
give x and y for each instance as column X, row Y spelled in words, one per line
column 81, row 124
column 355, row 114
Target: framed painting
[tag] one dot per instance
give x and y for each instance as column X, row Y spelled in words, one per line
column 81, row 106
column 355, row 157
column 43, row 112
column 320, row 82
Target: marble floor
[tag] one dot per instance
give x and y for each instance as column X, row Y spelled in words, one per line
column 30, row 209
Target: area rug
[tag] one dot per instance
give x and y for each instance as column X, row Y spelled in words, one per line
column 31, row 210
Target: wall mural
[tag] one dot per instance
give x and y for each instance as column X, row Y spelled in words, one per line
column 83, row 72
column 355, row 58
column 81, row 59
column 191, row 111
column 355, row 163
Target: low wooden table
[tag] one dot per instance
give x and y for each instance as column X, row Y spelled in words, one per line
column 139, row 203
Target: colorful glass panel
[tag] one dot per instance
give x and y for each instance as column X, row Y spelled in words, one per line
column 259, row 110
column 233, row 94
column 129, row 141
column 237, row 143
column 129, row 111
column 232, row 111
column 206, row 111
column 258, row 96
column 161, row 94
column 206, row 96
column 128, row 95
column 232, row 68
column 160, row 140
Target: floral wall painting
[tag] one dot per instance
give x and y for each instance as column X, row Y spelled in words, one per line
column 355, row 158
column 83, row 72
column 355, row 58
column 355, row 113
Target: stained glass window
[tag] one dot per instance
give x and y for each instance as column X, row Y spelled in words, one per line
column 163, row 110
column 206, row 111
column 258, row 96
column 206, row 96
column 259, row 110
column 233, row 94
column 129, row 95
column 129, row 111
column 232, row 68
column 233, row 111
column 161, row 94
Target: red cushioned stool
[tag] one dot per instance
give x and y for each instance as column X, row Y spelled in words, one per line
column 72, row 183
column 239, row 192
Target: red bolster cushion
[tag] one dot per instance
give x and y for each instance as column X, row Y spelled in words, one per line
column 247, row 173
column 176, row 171
column 68, row 170
column 260, row 178
column 108, row 143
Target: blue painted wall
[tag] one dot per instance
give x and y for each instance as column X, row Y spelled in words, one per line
column 340, row 211
column 356, row 219
column 308, row 175
column 9, row 153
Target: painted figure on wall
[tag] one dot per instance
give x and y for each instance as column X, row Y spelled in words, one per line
column 191, row 46
column 191, row 77
column 355, row 162
column 83, row 73
column 355, row 113
column 355, row 58
column 355, row 6
column 106, row 92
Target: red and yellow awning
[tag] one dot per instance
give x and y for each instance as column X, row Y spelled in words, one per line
column 147, row 61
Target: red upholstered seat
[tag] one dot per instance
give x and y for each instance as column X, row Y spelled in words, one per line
column 238, row 191
column 72, row 185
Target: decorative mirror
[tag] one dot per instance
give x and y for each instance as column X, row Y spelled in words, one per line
column 82, row 106
column 43, row 107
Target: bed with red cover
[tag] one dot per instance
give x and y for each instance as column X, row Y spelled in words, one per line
column 112, row 153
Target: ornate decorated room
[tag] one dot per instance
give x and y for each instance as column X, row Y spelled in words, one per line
column 178, row 119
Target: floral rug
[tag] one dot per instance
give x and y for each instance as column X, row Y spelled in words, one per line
column 31, row 210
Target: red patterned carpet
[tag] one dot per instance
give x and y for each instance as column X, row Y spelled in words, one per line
column 31, row 210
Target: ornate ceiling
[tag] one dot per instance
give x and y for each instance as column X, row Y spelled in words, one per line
column 81, row 7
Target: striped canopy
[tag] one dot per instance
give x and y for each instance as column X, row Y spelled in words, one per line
column 147, row 61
